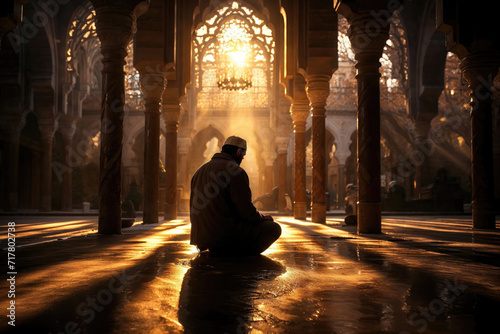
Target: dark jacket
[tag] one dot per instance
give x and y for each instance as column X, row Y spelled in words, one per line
column 220, row 196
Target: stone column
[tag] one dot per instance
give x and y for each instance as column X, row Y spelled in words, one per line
column 171, row 114
column 183, row 145
column 282, row 143
column 152, row 85
column 422, row 145
column 47, row 129
column 368, row 46
column 479, row 69
column 114, row 27
column 11, row 129
column 342, row 152
column 67, row 128
column 269, row 158
column 318, row 88
column 299, row 112
column 341, row 186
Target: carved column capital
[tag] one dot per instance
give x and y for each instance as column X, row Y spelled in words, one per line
column 318, row 89
column 479, row 69
column 368, row 34
column 282, row 144
column 368, row 37
column 114, row 26
column 153, row 83
column 299, row 111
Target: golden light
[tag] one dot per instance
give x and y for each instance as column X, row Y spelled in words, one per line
column 234, row 54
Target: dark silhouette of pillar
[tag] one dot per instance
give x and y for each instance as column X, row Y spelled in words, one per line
column 269, row 158
column 171, row 114
column 152, row 85
column 114, row 26
column 341, row 185
column 43, row 100
column 282, row 144
column 67, row 129
column 479, row 69
column 299, row 113
column 318, row 88
column 10, row 161
column 47, row 129
column 368, row 44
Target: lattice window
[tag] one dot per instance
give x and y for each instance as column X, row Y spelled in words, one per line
column 81, row 32
column 233, row 18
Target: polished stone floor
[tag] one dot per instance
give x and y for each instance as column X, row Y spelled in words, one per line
column 423, row 274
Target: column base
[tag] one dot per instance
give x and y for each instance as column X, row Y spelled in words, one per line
column 150, row 220
column 318, row 213
column 109, row 225
column 369, row 217
column 483, row 216
column 170, row 211
column 299, row 210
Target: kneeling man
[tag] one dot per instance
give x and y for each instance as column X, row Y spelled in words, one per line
column 223, row 217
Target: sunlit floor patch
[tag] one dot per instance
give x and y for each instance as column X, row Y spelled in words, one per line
column 415, row 277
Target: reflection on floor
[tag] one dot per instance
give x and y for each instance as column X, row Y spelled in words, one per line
column 422, row 275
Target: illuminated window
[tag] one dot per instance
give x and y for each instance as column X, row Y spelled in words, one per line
column 81, row 33
column 237, row 23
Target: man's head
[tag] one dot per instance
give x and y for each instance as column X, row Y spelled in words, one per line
column 236, row 147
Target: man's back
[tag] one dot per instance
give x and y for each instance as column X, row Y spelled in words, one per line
column 220, row 195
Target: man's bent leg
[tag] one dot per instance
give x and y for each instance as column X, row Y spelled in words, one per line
column 248, row 238
column 268, row 233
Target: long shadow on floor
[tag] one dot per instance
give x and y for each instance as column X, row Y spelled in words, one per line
column 436, row 242
column 218, row 294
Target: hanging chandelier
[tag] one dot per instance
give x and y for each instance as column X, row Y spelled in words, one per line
column 234, row 53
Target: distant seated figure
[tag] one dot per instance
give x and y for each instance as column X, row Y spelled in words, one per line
column 268, row 201
column 223, row 218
